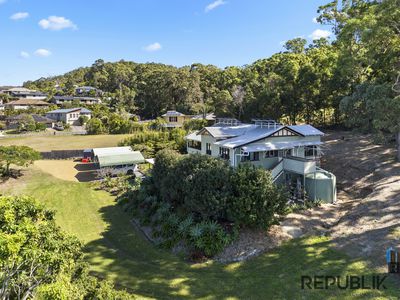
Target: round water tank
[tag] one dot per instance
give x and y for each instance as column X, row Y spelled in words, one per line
column 321, row 185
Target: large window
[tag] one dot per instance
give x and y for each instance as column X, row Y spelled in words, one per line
column 194, row 144
column 173, row 119
column 224, row 153
column 208, row 148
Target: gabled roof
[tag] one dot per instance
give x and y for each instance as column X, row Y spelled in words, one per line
column 227, row 131
column 172, row 113
column 193, row 137
column 208, row 117
column 69, row 110
column 306, row 130
column 134, row 157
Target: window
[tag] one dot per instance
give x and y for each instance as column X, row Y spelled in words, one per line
column 194, row 144
column 255, row 156
column 208, row 148
column 311, row 151
column 224, row 153
column 173, row 119
column 271, row 153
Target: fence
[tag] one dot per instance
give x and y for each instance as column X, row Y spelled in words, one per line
column 47, row 133
column 61, row 154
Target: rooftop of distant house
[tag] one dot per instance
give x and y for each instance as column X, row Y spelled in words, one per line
column 24, row 101
column 69, row 110
column 172, row 113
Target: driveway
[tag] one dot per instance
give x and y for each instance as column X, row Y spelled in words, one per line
column 68, row 170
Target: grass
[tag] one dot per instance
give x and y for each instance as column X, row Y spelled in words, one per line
column 65, row 142
column 116, row 251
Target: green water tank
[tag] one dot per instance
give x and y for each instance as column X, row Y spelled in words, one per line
column 321, row 185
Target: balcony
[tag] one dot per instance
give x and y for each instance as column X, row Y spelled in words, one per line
column 299, row 165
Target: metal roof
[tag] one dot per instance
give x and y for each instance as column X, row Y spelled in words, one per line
column 193, row 137
column 134, row 157
column 112, row 150
column 306, row 129
column 68, row 110
column 24, row 101
column 228, row 131
column 279, row 145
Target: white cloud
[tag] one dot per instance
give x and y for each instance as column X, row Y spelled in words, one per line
column 19, row 16
column 314, row 20
column 42, row 52
column 57, row 23
column 214, row 5
column 24, row 54
column 153, row 47
column 319, row 33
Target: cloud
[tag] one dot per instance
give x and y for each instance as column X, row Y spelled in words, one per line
column 57, row 23
column 19, row 16
column 24, row 54
column 42, row 52
column 214, row 5
column 314, row 20
column 153, row 47
column 319, row 33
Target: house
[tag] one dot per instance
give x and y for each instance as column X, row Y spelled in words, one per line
column 59, row 100
column 69, row 115
column 175, row 119
column 291, row 153
column 26, row 104
column 21, row 92
column 87, row 90
column 13, row 122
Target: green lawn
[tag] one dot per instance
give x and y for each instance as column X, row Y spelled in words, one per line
column 116, row 251
column 67, row 142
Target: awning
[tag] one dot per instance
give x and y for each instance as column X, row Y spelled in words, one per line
column 193, row 137
column 120, row 159
column 279, row 146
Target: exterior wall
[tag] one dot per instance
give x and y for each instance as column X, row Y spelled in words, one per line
column 193, row 151
column 178, row 123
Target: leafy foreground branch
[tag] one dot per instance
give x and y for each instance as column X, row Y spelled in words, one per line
column 38, row 260
column 198, row 203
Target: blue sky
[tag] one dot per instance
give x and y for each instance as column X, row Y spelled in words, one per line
column 50, row 37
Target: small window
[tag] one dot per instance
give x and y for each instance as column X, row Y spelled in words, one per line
column 255, row 156
column 311, row 151
column 224, row 153
column 208, row 148
column 173, row 119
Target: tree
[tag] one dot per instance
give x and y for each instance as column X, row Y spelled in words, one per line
column 83, row 120
column 296, row 45
column 26, row 123
column 95, row 126
column 38, row 260
column 17, row 155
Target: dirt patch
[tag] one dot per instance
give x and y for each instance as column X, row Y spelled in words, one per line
column 68, row 170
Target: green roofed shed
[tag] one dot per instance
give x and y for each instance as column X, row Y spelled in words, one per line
column 135, row 157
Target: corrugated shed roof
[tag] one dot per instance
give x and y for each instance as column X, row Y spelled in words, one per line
column 134, row 157
column 229, row 131
column 112, row 150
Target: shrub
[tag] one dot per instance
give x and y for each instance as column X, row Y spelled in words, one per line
column 209, row 237
column 255, row 198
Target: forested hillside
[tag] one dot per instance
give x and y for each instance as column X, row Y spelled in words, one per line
column 350, row 79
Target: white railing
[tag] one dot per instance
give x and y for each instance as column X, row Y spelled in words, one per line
column 277, row 170
column 299, row 165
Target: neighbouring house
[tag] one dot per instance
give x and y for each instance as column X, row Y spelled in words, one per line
column 26, row 104
column 69, row 115
column 12, row 122
column 59, row 100
column 88, row 90
column 21, row 92
column 175, row 119
column 292, row 153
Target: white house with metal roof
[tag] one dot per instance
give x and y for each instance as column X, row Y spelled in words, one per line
column 69, row 115
column 291, row 153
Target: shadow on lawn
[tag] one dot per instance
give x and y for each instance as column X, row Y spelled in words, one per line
column 143, row 269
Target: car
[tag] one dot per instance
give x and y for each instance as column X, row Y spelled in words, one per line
column 59, row 127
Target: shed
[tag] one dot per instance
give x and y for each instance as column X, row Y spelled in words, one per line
column 132, row 158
